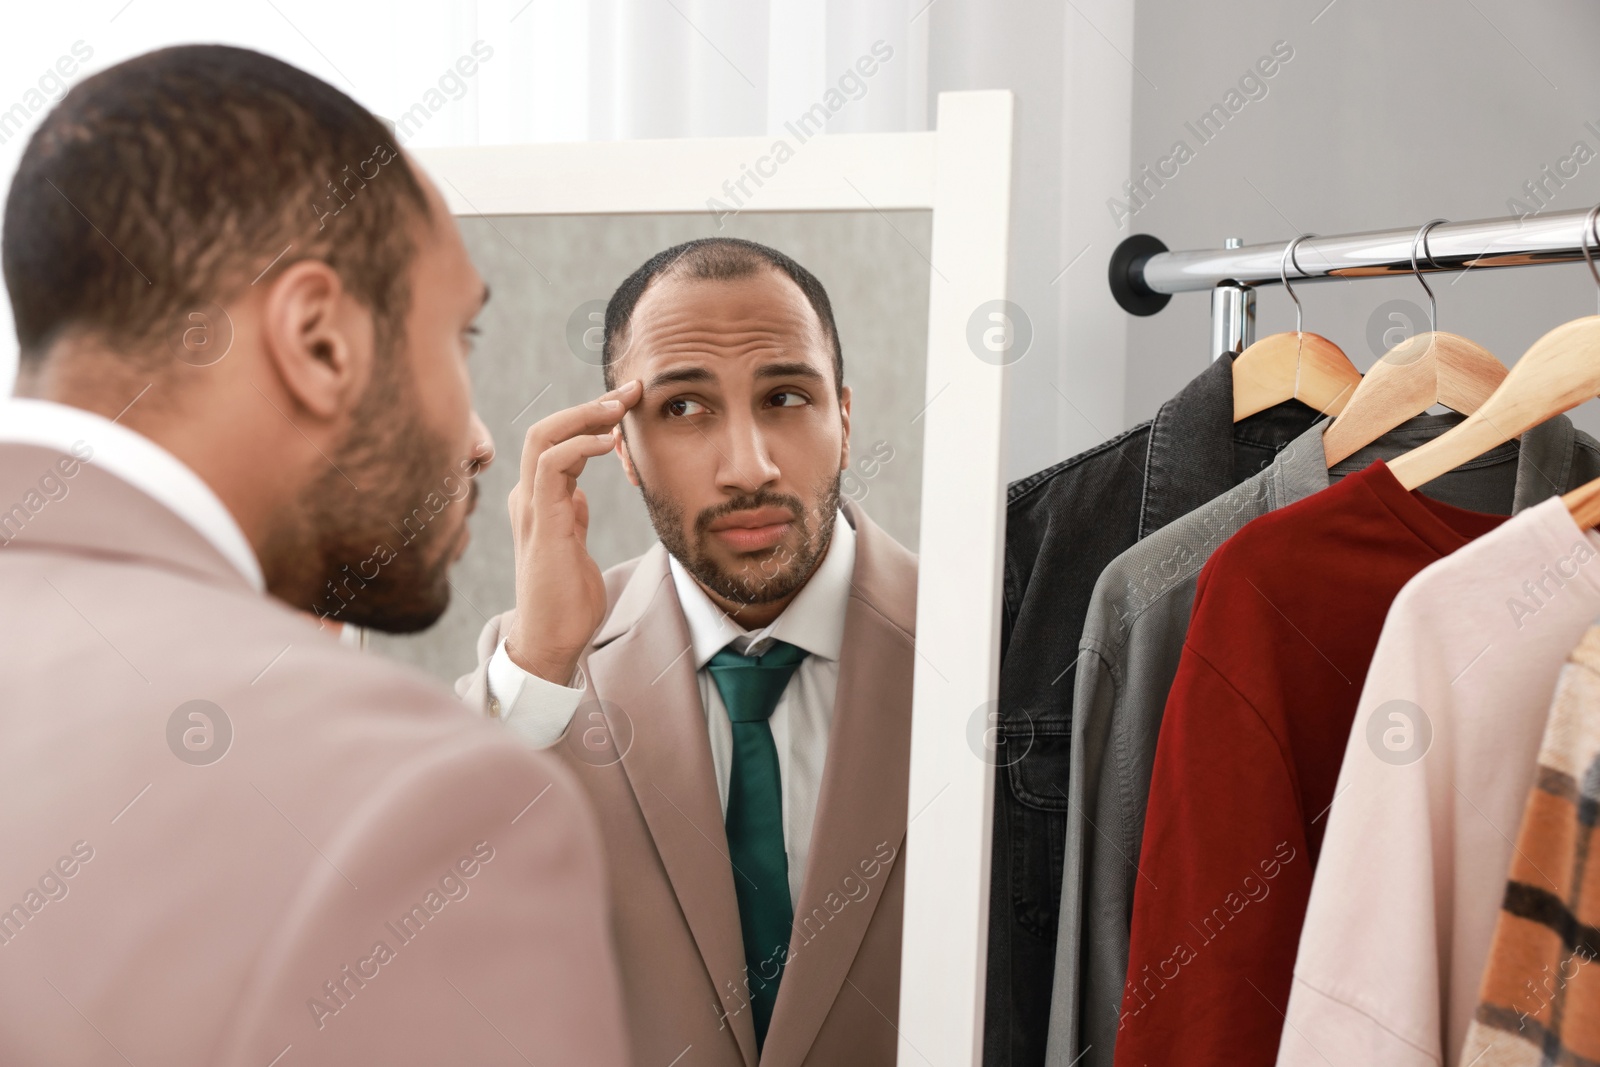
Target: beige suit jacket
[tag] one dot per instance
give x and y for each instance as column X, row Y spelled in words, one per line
column 639, row 746
column 165, row 910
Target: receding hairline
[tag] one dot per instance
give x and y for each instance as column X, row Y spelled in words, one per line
column 714, row 259
column 813, row 319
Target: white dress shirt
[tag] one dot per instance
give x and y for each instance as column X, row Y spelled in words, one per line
column 540, row 710
column 140, row 462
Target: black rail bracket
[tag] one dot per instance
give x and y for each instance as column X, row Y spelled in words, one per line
column 1126, row 274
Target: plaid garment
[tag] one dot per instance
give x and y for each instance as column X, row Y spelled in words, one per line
column 1540, row 999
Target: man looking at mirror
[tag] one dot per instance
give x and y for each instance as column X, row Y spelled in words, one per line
column 736, row 701
column 228, row 839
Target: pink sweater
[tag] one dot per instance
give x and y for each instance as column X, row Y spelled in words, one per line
column 1431, row 793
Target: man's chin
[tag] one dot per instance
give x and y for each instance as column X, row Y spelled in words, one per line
column 397, row 610
column 757, row 577
column 406, row 621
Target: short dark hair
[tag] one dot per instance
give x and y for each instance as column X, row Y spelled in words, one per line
column 714, row 259
column 171, row 181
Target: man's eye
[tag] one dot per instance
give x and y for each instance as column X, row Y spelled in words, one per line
column 682, row 407
column 788, row 399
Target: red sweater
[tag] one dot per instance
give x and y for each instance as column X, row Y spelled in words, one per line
column 1286, row 617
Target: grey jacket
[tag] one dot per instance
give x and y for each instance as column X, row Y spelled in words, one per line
column 1064, row 524
column 1128, row 656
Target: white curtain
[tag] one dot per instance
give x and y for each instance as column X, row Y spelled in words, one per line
column 507, row 71
column 504, row 71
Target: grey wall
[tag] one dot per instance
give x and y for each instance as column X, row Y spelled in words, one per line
column 549, row 271
column 1389, row 114
column 1067, row 66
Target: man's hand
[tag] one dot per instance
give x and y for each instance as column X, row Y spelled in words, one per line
column 560, row 596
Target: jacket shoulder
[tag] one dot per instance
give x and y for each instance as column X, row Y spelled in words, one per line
column 1065, row 475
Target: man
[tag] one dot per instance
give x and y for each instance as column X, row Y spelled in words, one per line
column 244, row 320
column 736, row 701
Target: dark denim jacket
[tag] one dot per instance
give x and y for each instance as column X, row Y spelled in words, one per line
column 1063, row 525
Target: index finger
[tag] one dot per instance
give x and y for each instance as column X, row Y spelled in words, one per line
column 596, row 416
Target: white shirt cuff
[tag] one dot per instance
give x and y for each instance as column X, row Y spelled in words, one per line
column 538, row 710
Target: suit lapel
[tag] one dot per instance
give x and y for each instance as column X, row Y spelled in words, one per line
column 643, row 668
column 861, row 813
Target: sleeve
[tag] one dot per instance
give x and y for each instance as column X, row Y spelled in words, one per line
column 1221, row 886
column 1126, row 726
column 536, row 709
column 1093, row 691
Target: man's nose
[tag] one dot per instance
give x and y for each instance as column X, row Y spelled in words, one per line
column 482, row 446
column 746, row 462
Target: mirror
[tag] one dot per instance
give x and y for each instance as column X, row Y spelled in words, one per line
column 641, row 745
column 856, row 779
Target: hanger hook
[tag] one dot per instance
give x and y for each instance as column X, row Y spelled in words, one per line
column 1422, row 238
column 1583, row 240
column 1283, row 276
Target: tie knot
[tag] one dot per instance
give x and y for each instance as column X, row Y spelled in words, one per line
column 751, row 685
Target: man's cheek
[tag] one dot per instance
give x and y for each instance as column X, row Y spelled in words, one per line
column 686, row 469
column 443, row 404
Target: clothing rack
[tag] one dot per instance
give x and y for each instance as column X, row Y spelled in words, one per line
column 1144, row 273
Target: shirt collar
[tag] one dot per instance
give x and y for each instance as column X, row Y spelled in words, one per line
column 1190, row 457
column 1544, row 458
column 137, row 460
column 814, row 619
column 1544, row 463
column 1301, row 469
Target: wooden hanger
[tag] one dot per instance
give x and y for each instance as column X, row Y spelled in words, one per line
column 1419, row 372
column 1292, row 366
column 1584, row 503
column 1560, row 371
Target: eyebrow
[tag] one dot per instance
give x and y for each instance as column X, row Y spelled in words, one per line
column 484, row 299
column 790, row 369
column 680, row 374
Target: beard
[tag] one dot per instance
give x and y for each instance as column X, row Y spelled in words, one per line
column 759, row 577
column 377, row 556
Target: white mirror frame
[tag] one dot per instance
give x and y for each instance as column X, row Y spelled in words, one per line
column 961, row 171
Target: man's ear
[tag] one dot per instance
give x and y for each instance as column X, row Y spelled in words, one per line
column 844, row 420
column 317, row 338
column 626, row 457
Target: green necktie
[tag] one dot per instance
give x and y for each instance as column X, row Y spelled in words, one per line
column 750, row 688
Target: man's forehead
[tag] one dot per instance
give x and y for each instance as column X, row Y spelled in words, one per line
column 765, row 301
column 439, row 235
column 671, row 342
